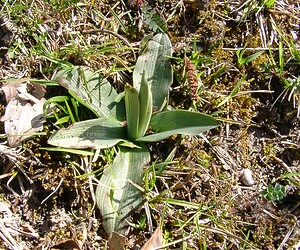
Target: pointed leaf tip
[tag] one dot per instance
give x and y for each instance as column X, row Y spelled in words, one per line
column 95, row 133
column 168, row 123
column 132, row 106
column 155, row 65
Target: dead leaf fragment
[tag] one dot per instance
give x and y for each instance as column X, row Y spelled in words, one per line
column 156, row 240
column 24, row 111
column 117, row 241
column 10, row 90
column 13, row 89
column 66, row 244
column 21, row 119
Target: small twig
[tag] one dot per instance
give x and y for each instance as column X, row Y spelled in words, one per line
column 282, row 163
column 148, row 215
column 11, row 154
column 173, row 243
column 286, row 238
column 7, row 238
column 8, row 183
column 59, row 184
column 24, row 233
column 270, row 214
column 20, row 168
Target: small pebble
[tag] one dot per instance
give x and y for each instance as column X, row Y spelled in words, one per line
column 246, row 177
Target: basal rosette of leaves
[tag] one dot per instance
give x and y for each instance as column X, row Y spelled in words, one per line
column 124, row 124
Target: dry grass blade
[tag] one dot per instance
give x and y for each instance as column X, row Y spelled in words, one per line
column 5, row 227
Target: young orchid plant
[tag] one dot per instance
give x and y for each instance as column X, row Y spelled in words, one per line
column 127, row 121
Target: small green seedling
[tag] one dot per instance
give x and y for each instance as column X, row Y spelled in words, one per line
column 125, row 124
column 274, row 193
column 244, row 60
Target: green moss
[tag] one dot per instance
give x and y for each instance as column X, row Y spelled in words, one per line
column 269, row 151
column 202, row 158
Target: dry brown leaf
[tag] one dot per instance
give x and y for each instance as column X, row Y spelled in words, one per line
column 66, row 244
column 10, row 89
column 13, row 89
column 156, row 240
column 21, row 119
column 24, row 110
column 37, row 90
column 117, row 241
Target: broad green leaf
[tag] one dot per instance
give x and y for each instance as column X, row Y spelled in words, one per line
column 145, row 97
column 168, row 123
column 155, row 64
column 132, row 105
column 96, row 133
column 92, row 90
column 116, row 194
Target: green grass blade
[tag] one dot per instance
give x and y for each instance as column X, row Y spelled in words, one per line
column 69, row 150
column 70, row 112
column 281, row 58
column 44, row 82
column 294, row 51
column 252, row 57
column 233, row 92
column 62, row 120
column 56, row 100
column 123, row 26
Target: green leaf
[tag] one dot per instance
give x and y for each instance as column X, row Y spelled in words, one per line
column 92, row 90
column 62, row 120
column 145, row 97
column 68, row 150
column 132, row 105
column 269, row 3
column 244, row 60
column 281, row 56
column 152, row 18
column 117, row 184
column 155, row 64
column 233, row 92
column 274, row 193
column 167, row 123
column 96, row 133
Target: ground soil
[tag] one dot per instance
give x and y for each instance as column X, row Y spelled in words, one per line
column 46, row 201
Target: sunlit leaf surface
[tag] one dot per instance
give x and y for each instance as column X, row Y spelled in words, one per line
column 116, row 194
column 168, row 123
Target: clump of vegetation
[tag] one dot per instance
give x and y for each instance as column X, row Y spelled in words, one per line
column 151, row 79
column 236, row 61
column 274, row 193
